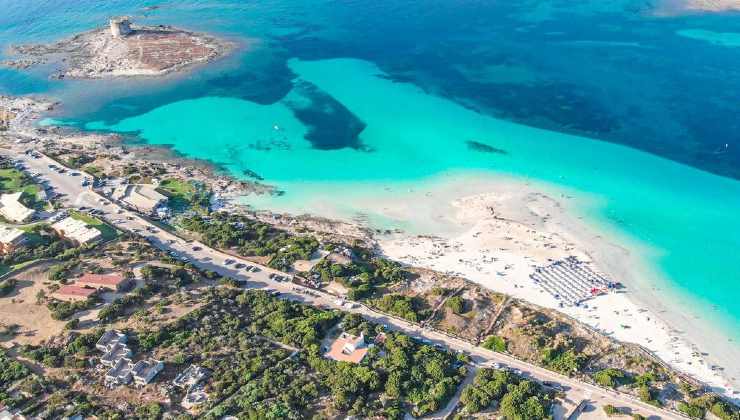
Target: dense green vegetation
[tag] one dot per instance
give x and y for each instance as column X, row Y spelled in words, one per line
column 10, row 371
column 120, row 306
column 95, row 171
column 363, row 275
column 410, row 308
column 63, row 310
column 563, row 359
column 494, row 343
column 691, row 410
column 456, row 304
column 611, row 377
column 713, row 404
column 74, row 354
column 611, row 410
column 515, row 397
column 254, row 375
column 251, row 238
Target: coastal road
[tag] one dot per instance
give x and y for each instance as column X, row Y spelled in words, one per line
column 211, row 259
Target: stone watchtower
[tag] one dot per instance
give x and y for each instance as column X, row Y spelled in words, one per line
column 120, row 26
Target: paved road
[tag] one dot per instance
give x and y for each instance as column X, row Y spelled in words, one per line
column 207, row 258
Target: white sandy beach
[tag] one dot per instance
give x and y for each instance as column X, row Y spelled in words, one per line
column 514, row 227
column 494, row 230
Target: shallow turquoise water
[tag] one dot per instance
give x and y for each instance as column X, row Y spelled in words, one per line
column 687, row 216
column 454, row 78
column 725, row 39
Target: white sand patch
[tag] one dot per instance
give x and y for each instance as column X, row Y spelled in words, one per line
column 507, row 232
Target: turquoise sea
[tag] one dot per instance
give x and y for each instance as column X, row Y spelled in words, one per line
column 635, row 113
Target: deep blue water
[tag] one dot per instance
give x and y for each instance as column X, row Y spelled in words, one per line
column 611, row 72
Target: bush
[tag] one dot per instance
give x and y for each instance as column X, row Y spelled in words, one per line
column 72, row 324
column 647, row 395
column 610, row 377
column 495, row 343
column 564, row 361
column 229, row 282
column 693, row 411
column 406, row 307
column 611, row 410
column 456, row 304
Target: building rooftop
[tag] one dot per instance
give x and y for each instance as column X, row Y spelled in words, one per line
column 191, row 376
column 9, row 235
column 77, row 230
column 13, row 209
column 120, row 372
column 110, row 338
column 74, row 291
column 141, row 196
column 101, row 280
column 145, row 370
column 348, row 348
column 116, row 352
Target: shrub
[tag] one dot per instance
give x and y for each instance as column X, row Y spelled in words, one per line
column 72, row 324
column 456, row 304
column 610, row 377
column 495, row 343
column 611, row 410
column 647, row 395
column 693, row 411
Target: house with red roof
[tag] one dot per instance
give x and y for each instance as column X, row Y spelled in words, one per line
column 115, row 282
column 73, row 293
column 348, row 348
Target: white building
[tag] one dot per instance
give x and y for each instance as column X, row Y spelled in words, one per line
column 109, row 339
column 120, row 373
column 117, row 351
column 10, row 238
column 191, row 376
column 12, row 209
column 145, row 370
column 144, row 198
column 76, row 230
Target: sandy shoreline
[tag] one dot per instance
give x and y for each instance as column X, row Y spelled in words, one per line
column 515, row 226
column 493, row 230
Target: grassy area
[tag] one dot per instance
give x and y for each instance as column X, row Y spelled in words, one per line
column 176, row 187
column 13, row 180
column 108, row 231
column 184, row 195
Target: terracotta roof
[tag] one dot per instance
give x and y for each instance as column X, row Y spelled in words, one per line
column 345, row 349
column 72, row 290
column 101, row 279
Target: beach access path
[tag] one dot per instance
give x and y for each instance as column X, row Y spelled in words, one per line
column 207, row 258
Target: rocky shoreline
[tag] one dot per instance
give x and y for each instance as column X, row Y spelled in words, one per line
column 102, row 53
